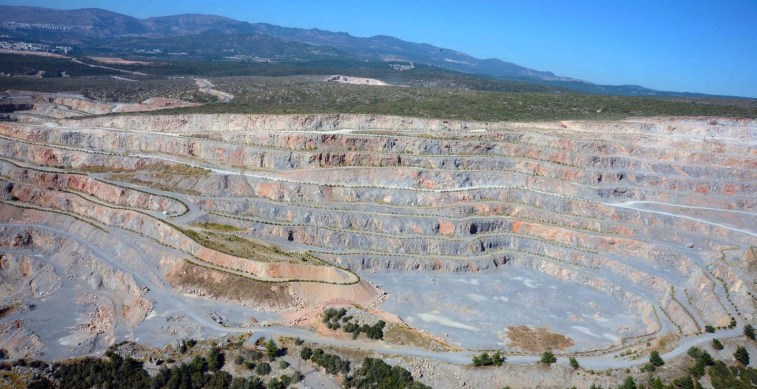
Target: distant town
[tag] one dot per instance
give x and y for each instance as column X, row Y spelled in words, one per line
column 27, row 46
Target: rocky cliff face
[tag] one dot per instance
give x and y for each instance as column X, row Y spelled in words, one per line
column 639, row 209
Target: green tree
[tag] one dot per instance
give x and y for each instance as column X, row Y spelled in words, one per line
column 271, row 349
column 628, row 383
column 749, row 331
column 742, row 355
column 717, row 345
column 306, row 353
column 219, row 380
column 657, row 384
column 377, row 374
column 274, row 383
column 548, row 358
column 574, row 363
column 498, row 359
column 709, row 328
column 215, row 359
column 238, row 383
column 655, row 359
column 683, row 383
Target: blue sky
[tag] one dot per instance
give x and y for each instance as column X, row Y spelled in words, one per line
column 694, row 46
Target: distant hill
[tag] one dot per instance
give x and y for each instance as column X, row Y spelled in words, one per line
column 210, row 46
column 97, row 28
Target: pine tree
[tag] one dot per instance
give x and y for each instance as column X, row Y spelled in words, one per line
column 742, row 355
column 655, row 359
column 749, row 331
column 215, row 359
column 628, row 383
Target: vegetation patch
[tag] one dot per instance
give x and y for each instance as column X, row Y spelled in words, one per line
column 290, row 95
column 375, row 373
column 537, row 340
column 336, row 319
column 238, row 246
column 230, row 286
column 408, row 336
column 170, row 186
column 217, row 227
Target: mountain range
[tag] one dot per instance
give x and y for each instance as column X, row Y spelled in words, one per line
column 198, row 34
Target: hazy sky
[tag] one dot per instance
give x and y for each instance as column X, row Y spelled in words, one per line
column 681, row 45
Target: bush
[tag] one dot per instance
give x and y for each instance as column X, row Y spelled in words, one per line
column 283, row 365
column 742, row 355
column 377, row 374
column 749, row 331
column 263, row 369
column 333, row 364
column 486, row 360
column 548, row 358
column 709, row 328
column 628, row 383
column 275, row 383
column 717, row 345
column 574, row 363
column 683, row 383
column 239, row 360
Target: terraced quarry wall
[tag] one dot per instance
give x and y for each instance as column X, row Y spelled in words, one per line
column 651, row 211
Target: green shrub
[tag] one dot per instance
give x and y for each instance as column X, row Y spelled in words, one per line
column 262, row 369
column 655, row 359
column 377, row 374
column 742, row 355
column 548, row 358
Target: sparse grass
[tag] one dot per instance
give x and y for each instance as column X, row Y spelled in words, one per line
column 238, row 246
column 537, row 340
column 408, row 336
column 224, row 285
column 102, row 169
column 667, row 341
column 217, row 227
column 12, row 379
column 161, row 176
column 169, row 169
column 165, row 187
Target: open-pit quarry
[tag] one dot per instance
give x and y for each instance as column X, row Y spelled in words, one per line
column 596, row 239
